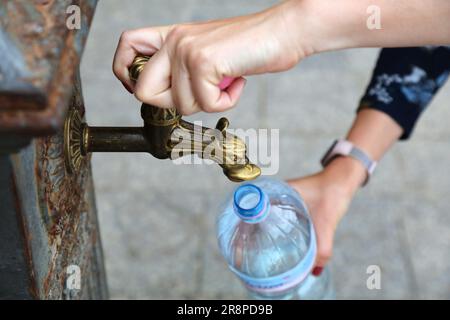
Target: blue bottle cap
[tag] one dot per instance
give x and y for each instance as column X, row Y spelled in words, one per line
column 251, row 204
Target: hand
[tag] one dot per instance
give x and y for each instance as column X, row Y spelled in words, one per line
column 329, row 192
column 190, row 60
column 328, row 195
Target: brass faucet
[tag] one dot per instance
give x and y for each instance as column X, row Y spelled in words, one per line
column 164, row 135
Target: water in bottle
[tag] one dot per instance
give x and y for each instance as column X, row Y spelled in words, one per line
column 267, row 238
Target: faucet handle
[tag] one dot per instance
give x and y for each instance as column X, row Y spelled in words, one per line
column 137, row 66
column 169, row 135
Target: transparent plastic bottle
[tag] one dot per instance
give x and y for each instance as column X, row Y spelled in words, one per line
column 267, row 238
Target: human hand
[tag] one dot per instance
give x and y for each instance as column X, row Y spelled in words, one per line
column 328, row 195
column 190, row 61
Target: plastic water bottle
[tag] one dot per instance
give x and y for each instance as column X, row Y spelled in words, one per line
column 267, row 238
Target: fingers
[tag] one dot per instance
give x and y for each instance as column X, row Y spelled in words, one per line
column 226, row 82
column 179, row 74
column 166, row 82
column 210, row 96
column 325, row 209
column 234, row 89
column 324, row 237
column 182, row 92
column 129, row 89
column 140, row 41
column 154, row 83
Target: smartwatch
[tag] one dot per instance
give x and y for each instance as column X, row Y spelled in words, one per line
column 346, row 148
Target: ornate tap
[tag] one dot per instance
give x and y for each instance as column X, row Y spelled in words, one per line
column 165, row 135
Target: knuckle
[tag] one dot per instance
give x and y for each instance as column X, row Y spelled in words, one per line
column 177, row 32
column 186, row 45
column 115, row 70
column 199, row 59
column 125, row 36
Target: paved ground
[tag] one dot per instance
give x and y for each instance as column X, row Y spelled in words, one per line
column 157, row 219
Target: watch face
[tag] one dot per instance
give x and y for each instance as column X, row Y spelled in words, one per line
column 327, row 154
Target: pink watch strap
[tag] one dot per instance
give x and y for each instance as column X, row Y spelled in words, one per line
column 346, row 148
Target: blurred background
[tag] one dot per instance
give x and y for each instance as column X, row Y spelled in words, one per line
column 157, row 219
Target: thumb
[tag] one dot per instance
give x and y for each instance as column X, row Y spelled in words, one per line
column 144, row 41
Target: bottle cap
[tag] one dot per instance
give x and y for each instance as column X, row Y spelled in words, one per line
column 251, row 204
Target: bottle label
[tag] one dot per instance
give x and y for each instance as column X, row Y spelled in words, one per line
column 286, row 280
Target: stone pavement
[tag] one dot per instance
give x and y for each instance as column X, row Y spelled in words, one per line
column 157, row 219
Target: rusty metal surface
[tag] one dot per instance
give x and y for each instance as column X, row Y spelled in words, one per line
column 16, row 281
column 60, row 227
column 39, row 58
column 48, row 217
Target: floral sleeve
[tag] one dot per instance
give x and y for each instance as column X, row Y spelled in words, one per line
column 405, row 81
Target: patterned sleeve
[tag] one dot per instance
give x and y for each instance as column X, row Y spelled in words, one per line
column 404, row 82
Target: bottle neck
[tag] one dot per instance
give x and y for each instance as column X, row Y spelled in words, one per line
column 251, row 204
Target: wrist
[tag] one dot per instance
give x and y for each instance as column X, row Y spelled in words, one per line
column 296, row 33
column 346, row 173
column 322, row 26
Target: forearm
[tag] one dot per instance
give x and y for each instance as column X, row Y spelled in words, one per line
column 339, row 24
column 374, row 132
